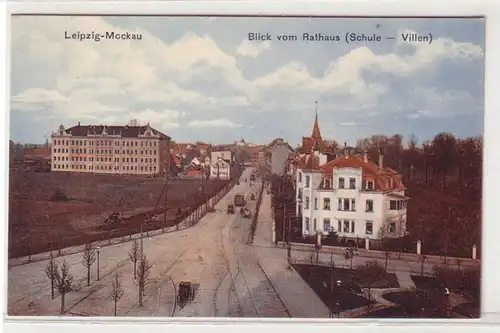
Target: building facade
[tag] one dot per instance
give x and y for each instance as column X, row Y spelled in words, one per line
column 352, row 196
column 276, row 156
column 220, row 169
column 129, row 149
column 347, row 193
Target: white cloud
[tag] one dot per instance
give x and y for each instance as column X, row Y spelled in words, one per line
column 36, row 98
column 252, row 49
column 118, row 80
column 220, row 122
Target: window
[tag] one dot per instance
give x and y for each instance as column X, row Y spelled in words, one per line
column 315, row 224
column 326, row 203
column 307, row 223
column 369, row 228
column 328, row 183
column 341, row 182
column 339, row 226
column 352, row 183
column 326, row 224
column 346, row 205
column 346, row 226
column 316, row 203
column 339, row 207
column 308, row 180
column 392, row 227
column 300, row 194
column 353, row 227
column 369, row 205
column 353, row 205
column 397, row 204
column 370, row 185
column 306, row 203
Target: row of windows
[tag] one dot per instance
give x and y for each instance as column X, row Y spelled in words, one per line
column 110, row 143
column 345, row 226
column 368, row 184
column 343, row 204
column 349, row 205
column 104, row 151
column 102, row 167
column 104, row 159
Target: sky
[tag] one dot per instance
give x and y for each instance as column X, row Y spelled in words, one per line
column 202, row 79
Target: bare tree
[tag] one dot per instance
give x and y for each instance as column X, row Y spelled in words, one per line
column 116, row 292
column 135, row 255
column 64, row 282
column 51, row 272
column 88, row 258
column 143, row 271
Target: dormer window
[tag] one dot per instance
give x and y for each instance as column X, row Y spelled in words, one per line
column 327, row 183
column 370, row 185
column 341, row 182
column 352, row 183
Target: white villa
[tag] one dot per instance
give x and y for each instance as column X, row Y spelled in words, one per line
column 348, row 194
column 220, row 169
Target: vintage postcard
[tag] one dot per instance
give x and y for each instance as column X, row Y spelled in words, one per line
column 273, row 167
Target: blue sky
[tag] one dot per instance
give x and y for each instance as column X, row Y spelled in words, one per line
column 201, row 79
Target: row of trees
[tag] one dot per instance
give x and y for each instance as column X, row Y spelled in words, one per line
column 444, row 163
column 62, row 281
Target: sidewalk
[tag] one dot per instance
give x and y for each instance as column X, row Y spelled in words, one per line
column 290, row 287
column 300, row 300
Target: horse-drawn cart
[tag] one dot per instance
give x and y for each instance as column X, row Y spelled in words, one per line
column 185, row 294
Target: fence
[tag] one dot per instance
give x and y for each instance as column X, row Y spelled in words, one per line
column 375, row 254
column 77, row 244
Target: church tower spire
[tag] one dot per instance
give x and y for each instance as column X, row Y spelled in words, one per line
column 316, row 134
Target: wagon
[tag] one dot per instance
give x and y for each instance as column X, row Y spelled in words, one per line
column 185, row 294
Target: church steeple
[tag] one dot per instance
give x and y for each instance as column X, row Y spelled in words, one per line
column 316, row 134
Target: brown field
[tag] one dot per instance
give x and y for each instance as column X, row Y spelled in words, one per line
column 39, row 223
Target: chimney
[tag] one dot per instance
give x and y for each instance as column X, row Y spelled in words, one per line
column 346, row 153
column 365, row 156
column 381, row 158
column 78, row 123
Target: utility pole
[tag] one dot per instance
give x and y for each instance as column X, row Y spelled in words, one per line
column 166, row 181
column 283, row 224
column 446, row 235
column 332, row 284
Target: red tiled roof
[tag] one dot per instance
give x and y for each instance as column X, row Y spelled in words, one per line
column 383, row 177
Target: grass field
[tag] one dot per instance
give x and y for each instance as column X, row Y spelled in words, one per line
column 37, row 221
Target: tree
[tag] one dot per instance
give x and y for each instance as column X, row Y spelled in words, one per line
column 143, row 271
column 51, row 272
column 116, row 292
column 88, row 258
column 135, row 255
column 369, row 273
column 63, row 282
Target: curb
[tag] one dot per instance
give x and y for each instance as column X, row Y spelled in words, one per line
column 275, row 289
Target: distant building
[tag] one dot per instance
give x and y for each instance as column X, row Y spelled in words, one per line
column 226, row 155
column 276, row 156
column 129, row 149
column 220, row 169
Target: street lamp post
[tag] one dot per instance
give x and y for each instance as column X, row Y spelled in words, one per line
column 98, row 253
column 142, row 244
